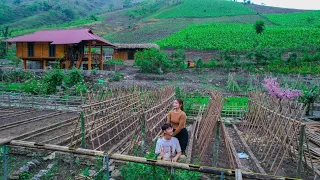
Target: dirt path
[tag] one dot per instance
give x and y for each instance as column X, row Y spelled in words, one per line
column 247, row 164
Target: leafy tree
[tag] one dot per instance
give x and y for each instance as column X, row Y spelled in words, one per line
column 179, row 59
column 17, row 2
column 93, row 17
column 259, row 26
column 70, row 14
column 111, row 7
column 127, row 3
column 152, row 61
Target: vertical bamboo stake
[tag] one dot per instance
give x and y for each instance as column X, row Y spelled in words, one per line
column 301, row 141
column 83, row 129
column 106, row 158
column 4, row 162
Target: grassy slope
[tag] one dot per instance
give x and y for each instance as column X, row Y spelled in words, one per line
column 299, row 19
column 206, row 8
column 240, row 37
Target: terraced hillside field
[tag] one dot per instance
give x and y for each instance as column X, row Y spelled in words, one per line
column 240, row 37
column 206, row 8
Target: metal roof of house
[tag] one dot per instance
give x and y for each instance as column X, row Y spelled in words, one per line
column 68, row 36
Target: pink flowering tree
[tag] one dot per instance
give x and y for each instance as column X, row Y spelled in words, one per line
column 274, row 89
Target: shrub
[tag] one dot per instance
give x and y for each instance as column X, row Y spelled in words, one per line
column 32, row 87
column 293, row 59
column 199, row 63
column 152, row 61
column 116, row 77
column 179, row 59
column 51, row 80
column 211, row 64
column 259, row 26
column 115, row 62
column 73, row 77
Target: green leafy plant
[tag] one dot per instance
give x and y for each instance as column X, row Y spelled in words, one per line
column 117, row 76
column 152, row 61
column 232, row 84
column 179, row 59
column 309, row 97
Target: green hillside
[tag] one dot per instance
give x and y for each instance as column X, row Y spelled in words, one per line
column 300, row 19
column 206, row 8
column 190, row 24
column 240, row 37
column 24, row 14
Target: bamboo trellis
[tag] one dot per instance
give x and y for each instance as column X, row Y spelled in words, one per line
column 113, row 122
column 209, row 124
column 274, row 127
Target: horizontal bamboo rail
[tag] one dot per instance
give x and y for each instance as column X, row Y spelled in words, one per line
column 120, row 157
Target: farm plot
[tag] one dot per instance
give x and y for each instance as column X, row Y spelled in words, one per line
column 206, row 8
column 14, row 124
column 239, row 37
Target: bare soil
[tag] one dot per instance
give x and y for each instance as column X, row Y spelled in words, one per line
column 24, row 128
column 247, row 164
column 25, row 116
column 288, row 167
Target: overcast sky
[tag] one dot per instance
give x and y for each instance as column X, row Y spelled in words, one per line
column 296, row 4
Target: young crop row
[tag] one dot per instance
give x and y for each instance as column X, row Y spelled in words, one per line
column 240, row 37
column 206, row 8
column 300, row 19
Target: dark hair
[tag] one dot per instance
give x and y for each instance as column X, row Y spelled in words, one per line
column 166, row 126
column 181, row 103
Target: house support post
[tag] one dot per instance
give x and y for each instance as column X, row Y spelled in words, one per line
column 89, row 55
column 102, row 57
column 24, row 64
column 44, row 65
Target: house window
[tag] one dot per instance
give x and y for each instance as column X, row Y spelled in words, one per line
column 52, row 50
column 30, row 49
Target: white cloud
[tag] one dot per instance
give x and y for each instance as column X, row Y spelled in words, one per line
column 296, row 4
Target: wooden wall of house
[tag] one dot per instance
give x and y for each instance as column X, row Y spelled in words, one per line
column 120, row 54
column 41, row 50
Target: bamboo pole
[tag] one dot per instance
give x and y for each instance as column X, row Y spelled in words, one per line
column 120, row 157
column 301, row 150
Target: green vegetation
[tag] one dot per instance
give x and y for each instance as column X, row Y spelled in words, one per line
column 133, row 171
column 236, row 101
column 240, row 37
column 115, row 62
column 206, row 8
column 299, row 19
column 259, row 26
column 152, row 61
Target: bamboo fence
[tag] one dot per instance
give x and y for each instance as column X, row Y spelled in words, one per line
column 274, row 128
column 109, row 124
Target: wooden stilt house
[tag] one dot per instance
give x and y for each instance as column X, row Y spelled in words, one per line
column 72, row 47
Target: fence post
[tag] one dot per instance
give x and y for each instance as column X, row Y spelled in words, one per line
column 83, row 131
column 107, row 166
column 4, row 162
column 301, row 150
